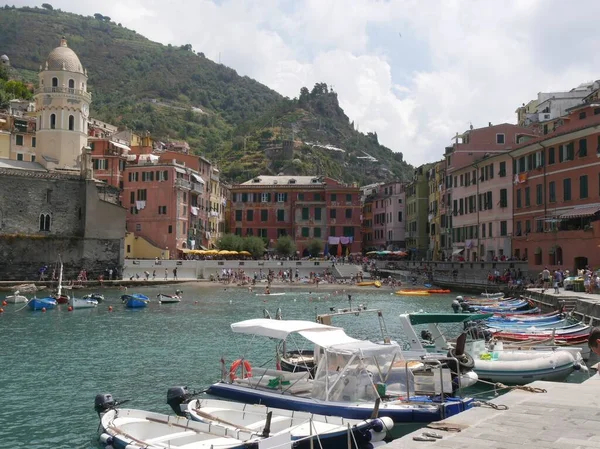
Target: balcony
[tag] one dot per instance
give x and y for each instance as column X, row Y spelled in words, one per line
column 64, row 90
column 198, row 188
column 183, row 184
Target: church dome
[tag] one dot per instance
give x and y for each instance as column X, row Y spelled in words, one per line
column 63, row 58
column 4, row 58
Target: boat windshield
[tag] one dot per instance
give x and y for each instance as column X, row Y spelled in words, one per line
column 360, row 373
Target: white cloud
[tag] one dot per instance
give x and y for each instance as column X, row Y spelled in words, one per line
column 477, row 60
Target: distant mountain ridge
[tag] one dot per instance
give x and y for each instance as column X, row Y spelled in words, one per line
column 175, row 93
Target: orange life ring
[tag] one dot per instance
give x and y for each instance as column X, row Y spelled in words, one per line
column 234, row 367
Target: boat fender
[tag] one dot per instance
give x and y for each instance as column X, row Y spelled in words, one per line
column 374, row 444
column 465, row 361
column 373, row 436
column 576, row 366
column 106, row 439
column 104, row 402
column 176, row 397
column 234, row 367
column 383, row 424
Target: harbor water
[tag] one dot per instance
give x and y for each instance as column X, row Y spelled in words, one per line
column 55, row 362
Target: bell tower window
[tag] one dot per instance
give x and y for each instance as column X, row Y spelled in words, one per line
column 71, row 123
column 55, row 82
column 52, row 121
column 71, row 86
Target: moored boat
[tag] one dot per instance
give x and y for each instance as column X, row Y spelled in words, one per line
column 327, row 431
column 83, row 303
column 522, row 366
column 135, row 300
column 97, row 296
column 42, row 303
column 412, row 293
column 347, row 372
column 169, row 299
column 16, row 298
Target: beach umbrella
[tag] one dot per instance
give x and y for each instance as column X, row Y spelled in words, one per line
column 233, row 253
column 244, row 253
column 223, row 252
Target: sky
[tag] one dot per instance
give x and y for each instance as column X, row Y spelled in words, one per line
column 415, row 72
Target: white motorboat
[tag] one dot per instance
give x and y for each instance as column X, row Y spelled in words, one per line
column 169, row 299
column 139, row 429
column 16, row 298
column 324, row 431
column 352, row 377
column 83, row 303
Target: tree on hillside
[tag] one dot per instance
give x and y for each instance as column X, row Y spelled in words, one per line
column 98, row 16
column 285, row 246
column 47, row 6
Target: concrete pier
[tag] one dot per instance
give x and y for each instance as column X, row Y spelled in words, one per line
column 567, row 415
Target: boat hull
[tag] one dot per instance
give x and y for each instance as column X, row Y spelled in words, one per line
column 529, row 367
column 168, row 299
column 399, row 413
column 42, row 303
column 16, row 299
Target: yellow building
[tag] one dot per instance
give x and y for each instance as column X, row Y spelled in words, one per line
column 137, row 247
column 217, row 207
column 435, row 184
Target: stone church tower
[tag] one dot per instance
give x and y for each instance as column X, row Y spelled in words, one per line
column 62, row 107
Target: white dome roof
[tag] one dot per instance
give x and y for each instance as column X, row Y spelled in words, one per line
column 4, row 58
column 63, row 58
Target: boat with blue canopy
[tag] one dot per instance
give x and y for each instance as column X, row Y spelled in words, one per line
column 135, row 300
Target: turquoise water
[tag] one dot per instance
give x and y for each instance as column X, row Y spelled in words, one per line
column 54, row 363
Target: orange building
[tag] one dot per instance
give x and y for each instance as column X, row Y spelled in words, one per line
column 303, row 207
column 556, row 188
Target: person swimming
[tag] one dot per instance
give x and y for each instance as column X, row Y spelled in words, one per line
column 267, row 291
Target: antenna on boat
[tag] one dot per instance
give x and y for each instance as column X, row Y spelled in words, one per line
column 350, row 301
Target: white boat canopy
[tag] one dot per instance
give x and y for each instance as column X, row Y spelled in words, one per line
column 279, row 329
column 331, row 338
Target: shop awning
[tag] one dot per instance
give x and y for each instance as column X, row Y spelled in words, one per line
column 583, row 211
column 457, row 251
column 197, row 178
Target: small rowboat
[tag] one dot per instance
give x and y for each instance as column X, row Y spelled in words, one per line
column 270, row 294
column 168, row 299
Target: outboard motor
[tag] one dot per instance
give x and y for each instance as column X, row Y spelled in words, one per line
column 456, row 306
column 104, row 402
column 176, row 397
column 465, row 306
column 426, row 335
column 460, row 299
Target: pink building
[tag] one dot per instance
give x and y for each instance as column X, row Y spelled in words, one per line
column 477, row 196
column 383, row 217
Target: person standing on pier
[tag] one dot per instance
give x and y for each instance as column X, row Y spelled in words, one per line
column 166, row 274
column 545, row 279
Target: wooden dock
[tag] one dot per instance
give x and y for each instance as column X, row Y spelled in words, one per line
column 567, row 415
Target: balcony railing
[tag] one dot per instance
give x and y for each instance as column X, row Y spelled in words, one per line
column 64, row 90
column 183, row 184
column 198, row 188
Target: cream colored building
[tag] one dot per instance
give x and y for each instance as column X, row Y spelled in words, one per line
column 217, row 204
column 62, row 110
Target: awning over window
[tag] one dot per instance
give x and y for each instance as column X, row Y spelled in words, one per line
column 121, row 146
column 180, row 170
column 197, row 178
column 583, row 211
column 457, row 251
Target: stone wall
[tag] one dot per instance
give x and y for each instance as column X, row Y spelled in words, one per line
column 22, row 257
column 86, row 232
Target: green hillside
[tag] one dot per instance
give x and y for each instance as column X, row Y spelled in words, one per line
column 177, row 93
